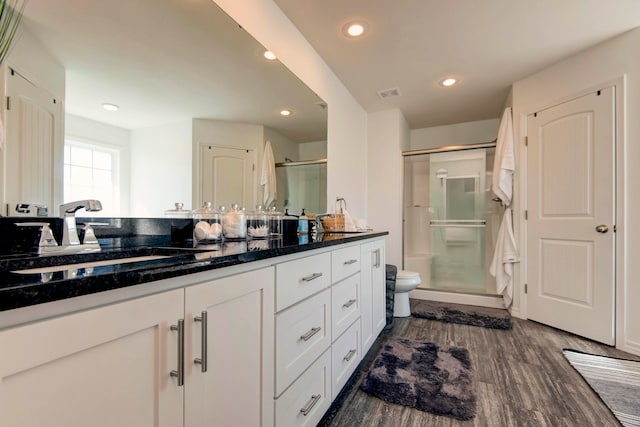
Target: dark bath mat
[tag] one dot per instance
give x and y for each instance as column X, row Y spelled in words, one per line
column 494, row 318
column 425, row 376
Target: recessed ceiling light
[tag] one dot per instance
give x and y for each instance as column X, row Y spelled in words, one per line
column 270, row 55
column 355, row 29
column 449, row 81
column 110, row 107
column 286, row 113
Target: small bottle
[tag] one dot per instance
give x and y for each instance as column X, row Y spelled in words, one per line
column 303, row 224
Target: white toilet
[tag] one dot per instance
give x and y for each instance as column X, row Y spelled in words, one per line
column 406, row 281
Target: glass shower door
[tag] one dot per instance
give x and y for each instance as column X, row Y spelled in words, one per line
column 457, row 199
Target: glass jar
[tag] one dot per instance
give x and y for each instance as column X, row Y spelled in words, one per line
column 258, row 224
column 275, row 223
column 206, row 225
column 178, row 212
column 234, row 223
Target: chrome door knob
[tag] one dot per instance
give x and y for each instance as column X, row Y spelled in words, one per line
column 602, row 228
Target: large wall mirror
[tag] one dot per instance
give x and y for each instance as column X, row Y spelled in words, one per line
column 197, row 103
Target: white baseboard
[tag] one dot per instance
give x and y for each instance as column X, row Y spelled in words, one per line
column 458, row 298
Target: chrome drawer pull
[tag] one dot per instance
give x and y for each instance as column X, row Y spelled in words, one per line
column 350, row 355
column 310, row 404
column 312, row 332
column 179, row 373
column 351, row 261
column 310, row 278
column 202, row 360
column 348, row 303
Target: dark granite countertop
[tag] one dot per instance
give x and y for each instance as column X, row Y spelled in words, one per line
column 161, row 262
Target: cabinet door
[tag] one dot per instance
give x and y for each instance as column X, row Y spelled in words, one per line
column 102, row 367
column 237, row 387
column 373, row 293
column 379, row 287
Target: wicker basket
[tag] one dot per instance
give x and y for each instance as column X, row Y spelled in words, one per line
column 334, row 223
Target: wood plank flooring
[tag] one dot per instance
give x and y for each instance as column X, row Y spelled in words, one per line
column 521, row 379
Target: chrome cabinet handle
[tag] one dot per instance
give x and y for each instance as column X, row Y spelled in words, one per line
column 312, row 332
column 376, row 253
column 349, row 303
column 179, row 373
column 602, row 228
column 312, row 277
column 202, row 360
column 351, row 261
column 310, row 404
column 350, row 355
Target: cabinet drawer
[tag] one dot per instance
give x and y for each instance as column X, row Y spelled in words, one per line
column 296, row 280
column 345, row 304
column 345, row 262
column 302, row 334
column 345, row 357
column 306, row 401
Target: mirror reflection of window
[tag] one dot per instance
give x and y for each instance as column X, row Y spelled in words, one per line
column 91, row 172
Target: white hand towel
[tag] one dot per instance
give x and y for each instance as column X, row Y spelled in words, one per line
column 505, row 255
column 268, row 177
column 504, row 164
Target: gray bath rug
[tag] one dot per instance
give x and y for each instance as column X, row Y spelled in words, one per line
column 425, row 376
column 494, row 318
column 616, row 381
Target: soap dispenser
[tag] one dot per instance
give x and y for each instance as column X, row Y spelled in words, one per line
column 303, row 223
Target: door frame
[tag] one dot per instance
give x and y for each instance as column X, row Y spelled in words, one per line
column 620, row 89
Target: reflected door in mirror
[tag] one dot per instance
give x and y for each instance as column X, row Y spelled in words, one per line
column 32, row 118
column 227, row 176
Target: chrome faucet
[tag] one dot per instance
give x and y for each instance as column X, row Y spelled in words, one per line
column 68, row 213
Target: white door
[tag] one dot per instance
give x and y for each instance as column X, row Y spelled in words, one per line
column 570, row 227
column 228, row 176
column 33, row 116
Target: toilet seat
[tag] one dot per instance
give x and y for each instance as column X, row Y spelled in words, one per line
column 407, row 277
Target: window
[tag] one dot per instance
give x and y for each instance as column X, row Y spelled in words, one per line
column 91, row 172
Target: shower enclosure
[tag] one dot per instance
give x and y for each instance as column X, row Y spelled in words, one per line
column 450, row 219
column 302, row 185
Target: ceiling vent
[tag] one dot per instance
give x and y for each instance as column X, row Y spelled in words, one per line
column 389, row 93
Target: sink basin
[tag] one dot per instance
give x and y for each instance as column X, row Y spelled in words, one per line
column 77, row 265
column 67, row 262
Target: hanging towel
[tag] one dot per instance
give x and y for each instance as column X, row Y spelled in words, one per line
column 504, row 164
column 268, row 177
column 505, row 255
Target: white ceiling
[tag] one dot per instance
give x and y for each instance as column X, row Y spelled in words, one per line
column 168, row 61
column 487, row 44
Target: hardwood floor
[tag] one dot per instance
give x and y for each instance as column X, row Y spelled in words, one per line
column 521, row 379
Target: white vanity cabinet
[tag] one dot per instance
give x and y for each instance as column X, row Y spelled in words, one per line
column 259, row 344
column 231, row 383
column 110, row 366
column 107, row 366
column 373, row 309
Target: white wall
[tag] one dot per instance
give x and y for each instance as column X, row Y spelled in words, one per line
column 312, row 150
column 609, row 62
column 388, row 137
column 82, row 129
column 158, row 176
column 281, row 145
column 458, row 134
column 347, row 121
